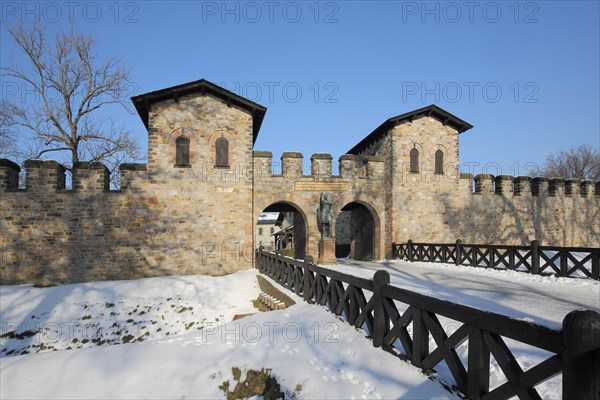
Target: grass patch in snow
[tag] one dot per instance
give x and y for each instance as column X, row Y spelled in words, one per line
column 256, row 383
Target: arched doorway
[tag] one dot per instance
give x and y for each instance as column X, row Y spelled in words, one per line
column 282, row 227
column 357, row 232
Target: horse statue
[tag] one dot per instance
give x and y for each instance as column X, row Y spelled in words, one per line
column 325, row 216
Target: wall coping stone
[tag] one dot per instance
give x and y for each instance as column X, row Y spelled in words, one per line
column 264, row 154
column 321, row 156
column 4, row 162
column 292, row 154
column 47, row 164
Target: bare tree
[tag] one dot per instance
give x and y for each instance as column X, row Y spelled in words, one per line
column 70, row 85
column 582, row 162
column 6, row 141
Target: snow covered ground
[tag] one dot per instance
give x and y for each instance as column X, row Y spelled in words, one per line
column 187, row 350
column 181, row 341
column 533, row 298
column 101, row 313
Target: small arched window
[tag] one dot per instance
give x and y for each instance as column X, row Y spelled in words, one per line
column 272, row 231
column 182, row 151
column 414, row 160
column 260, row 231
column 222, row 152
column 439, row 162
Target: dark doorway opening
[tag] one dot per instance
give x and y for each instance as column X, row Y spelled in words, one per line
column 355, row 233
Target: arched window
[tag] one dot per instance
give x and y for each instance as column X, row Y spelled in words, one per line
column 439, row 162
column 182, row 152
column 414, row 160
column 260, row 231
column 222, row 152
column 272, row 231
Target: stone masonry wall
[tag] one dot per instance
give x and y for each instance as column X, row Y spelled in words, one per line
column 165, row 220
column 52, row 235
column 200, row 218
column 440, row 208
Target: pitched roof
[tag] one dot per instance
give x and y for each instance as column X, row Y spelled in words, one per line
column 268, row 218
column 433, row 111
column 143, row 102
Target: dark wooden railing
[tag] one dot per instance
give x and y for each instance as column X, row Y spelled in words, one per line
column 535, row 259
column 372, row 306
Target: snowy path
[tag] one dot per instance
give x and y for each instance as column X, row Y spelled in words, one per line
column 544, row 300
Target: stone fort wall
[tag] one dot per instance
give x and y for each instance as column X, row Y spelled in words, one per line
column 199, row 217
column 53, row 235
column 430, row 207
column 166, row 219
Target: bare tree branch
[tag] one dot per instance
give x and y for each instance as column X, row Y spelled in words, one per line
column 582, row 162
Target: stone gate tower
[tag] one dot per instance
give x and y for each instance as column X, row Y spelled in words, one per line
column 199, row 188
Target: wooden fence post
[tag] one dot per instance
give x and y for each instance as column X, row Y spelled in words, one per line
column 596, row 264
column 535, row 257
column 410, row 250
column 581, row 355
column 380, row 320
column 306, row 280
column 478, row 382
column 563, row 263
column 458, row 251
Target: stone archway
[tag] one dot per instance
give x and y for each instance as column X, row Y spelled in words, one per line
column 357, row 232
column 298, row 222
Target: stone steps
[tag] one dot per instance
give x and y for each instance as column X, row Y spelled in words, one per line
column 271, row 302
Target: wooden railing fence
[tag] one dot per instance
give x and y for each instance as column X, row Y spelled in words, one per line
column 371, row 304
column 535, row 259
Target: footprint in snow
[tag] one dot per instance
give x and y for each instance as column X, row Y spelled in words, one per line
column 349, row 376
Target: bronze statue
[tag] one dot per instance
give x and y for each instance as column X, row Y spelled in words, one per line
column 325, row 216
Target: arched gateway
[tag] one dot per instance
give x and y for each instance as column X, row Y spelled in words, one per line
column 357, row 191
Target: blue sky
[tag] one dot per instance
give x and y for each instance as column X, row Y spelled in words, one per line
column 525, row 74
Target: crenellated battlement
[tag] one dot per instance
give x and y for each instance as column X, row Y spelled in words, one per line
column 9, row 174
column 50, row 176
column 350, row 167
column 133, row 177
column 509, row 186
